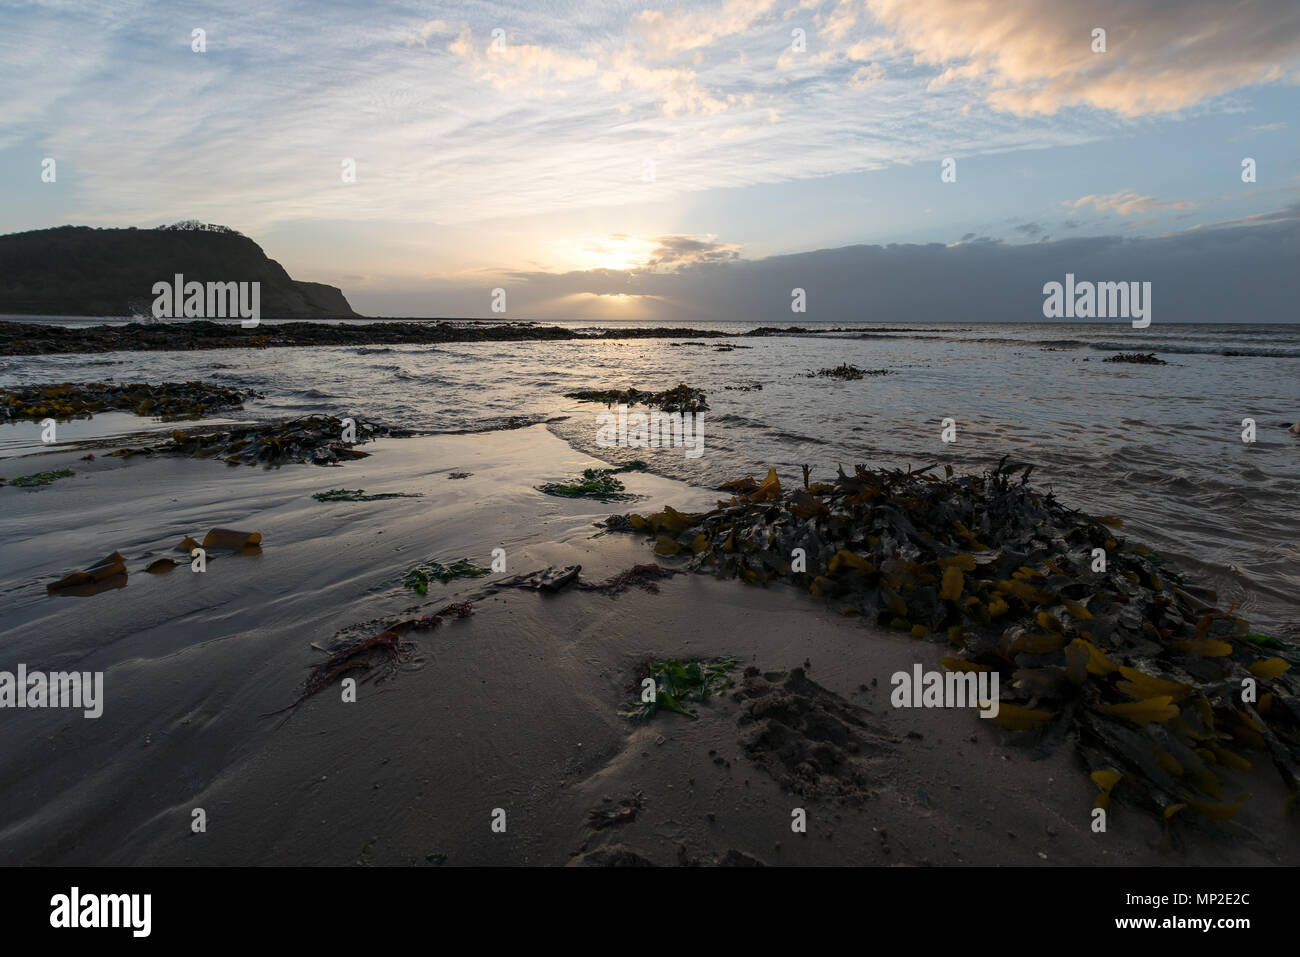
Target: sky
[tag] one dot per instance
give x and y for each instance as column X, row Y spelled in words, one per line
column 633, row 160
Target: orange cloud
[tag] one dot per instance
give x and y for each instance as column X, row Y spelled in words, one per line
column 1037, row 56
column 1127, row 202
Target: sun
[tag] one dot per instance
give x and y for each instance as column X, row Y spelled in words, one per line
column 618, row 252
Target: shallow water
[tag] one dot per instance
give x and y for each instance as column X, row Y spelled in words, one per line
column 1159, row 446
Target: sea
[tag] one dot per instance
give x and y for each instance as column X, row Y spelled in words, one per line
column 1169, row 449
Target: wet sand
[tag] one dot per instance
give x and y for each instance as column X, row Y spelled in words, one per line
column 514, row 708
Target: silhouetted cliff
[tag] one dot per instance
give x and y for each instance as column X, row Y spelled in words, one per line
column 80, row 271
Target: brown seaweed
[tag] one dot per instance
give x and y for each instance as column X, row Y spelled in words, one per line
column 108, row 573
column 81, row 400
column 316, row 438
column 545, row 580
column 1124, row 657
column 230, row 538
column 645, row 577
column 848, row 372
column 1137, row 358
column 680, row 398
column 375, row 656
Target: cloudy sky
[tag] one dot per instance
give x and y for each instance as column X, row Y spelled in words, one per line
column 699, row 159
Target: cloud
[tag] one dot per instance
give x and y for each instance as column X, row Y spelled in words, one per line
column 426, row 30
column 508, row 65
column 836, row 24
column 447, row 131
column 1262, row 128
column 873, row 47
column 676, row 89
column 1288, row 214
column 866, row 76
column 685, row 250
column 1126, row 202
column 1036, row 56
column 662, row 34
column 1241, row 272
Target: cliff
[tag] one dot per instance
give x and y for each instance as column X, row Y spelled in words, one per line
column 80, row 271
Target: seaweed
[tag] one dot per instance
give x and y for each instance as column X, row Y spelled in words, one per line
column 1138, row 358
column 420, row 577
column 848, row 372
column 315, row 438
column 72, row 400
column 108, row 572
column 644, row 577
column 549, row 579
column 777, row 331
column 598, row 484
column 28, row 338
column 461, row 609
column 680, row 398
column 1093, row 641
column 677, row 682
column 610, row 814
column 1289, row 652
column 377, row 655
column 39, row 479
column 359, row 495
column 385, row 649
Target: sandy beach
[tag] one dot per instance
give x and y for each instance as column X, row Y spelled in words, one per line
column 513, row 708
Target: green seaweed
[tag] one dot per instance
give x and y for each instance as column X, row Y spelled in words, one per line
column 39, row 479
column 1288, row 652
column 358, row 495
column 598, row 484
column 420, row 577
column 680, row 681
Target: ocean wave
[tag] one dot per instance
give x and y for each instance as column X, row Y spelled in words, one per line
column 731, row 418
column 1188, row 345
column 798, row 439
column 1189, row 349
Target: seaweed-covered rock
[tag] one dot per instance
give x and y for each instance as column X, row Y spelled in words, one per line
column 26, row 338
column 81, row 400
column 680, row 398
column 847, row 372
column 1093, row 636
column 315, row 438
column 37, row 480
column 1137, row 358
